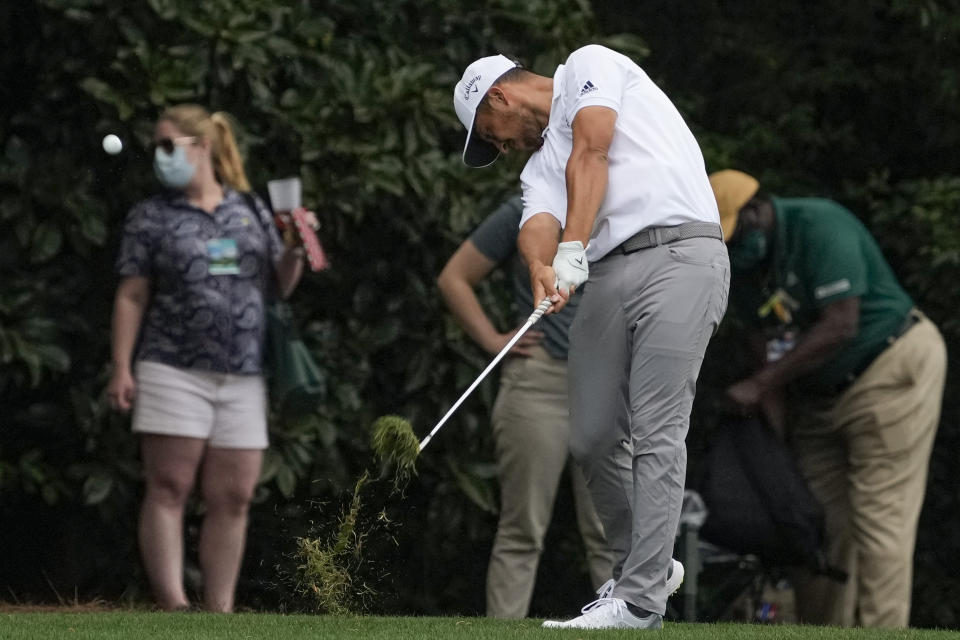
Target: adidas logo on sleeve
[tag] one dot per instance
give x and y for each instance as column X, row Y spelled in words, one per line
column 587, row 88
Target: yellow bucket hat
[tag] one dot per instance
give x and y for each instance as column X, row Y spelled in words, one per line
column 732, row 189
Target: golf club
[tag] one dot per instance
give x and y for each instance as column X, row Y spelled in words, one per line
column 536, row 315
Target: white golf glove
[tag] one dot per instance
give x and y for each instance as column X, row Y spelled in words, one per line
column 570, row 265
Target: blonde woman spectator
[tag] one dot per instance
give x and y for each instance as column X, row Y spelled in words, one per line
column 196, row 265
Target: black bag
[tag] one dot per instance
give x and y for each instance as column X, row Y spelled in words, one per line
column 758, row 501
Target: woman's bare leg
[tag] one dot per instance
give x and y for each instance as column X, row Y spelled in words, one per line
column 228, row 480
column 170, row 466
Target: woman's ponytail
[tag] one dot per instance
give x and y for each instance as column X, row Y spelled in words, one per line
column 227, row 162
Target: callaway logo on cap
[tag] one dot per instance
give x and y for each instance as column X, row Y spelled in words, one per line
column 467, row 94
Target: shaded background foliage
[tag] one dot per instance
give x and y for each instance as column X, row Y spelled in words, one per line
column 854, row 101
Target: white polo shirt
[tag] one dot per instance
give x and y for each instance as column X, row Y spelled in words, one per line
column 657, row 175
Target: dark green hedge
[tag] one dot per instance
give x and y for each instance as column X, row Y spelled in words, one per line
column 855, row 101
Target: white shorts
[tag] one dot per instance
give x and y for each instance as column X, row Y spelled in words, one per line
column 229, row 411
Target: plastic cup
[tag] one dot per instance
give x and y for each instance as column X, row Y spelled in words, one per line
column 284, row 194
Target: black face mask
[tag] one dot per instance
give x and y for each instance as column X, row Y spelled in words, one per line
column 749, row 251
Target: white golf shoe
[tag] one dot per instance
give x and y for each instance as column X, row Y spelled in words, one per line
column 607, row 612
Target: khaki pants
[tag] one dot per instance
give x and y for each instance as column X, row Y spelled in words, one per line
column 865, row 456
column 530, row 429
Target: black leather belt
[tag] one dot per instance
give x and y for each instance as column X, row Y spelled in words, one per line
column 913, row 317
column 653, row 236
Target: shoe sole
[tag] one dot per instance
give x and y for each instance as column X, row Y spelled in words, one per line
column 556, row 624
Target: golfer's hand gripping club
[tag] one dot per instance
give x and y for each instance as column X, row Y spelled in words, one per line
column 532, row 320
column 570, row 265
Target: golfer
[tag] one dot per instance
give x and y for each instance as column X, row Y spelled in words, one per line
column 530, row 420
column 616, row 196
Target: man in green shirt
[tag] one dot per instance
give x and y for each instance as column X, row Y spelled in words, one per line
column 851, row 372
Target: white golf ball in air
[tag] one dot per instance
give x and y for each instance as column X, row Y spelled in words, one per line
column 112, row 144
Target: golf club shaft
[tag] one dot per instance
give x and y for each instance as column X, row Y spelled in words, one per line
column 536, row 315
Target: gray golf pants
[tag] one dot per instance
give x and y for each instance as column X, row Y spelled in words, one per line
column 636, row 346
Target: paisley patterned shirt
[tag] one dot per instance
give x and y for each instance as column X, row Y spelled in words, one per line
column 209, row 276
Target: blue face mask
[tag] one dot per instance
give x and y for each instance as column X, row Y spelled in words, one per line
column 173, row 170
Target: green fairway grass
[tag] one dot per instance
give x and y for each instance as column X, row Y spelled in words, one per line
column 206, row 626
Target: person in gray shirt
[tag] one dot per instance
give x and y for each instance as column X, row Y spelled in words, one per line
column 530, row 417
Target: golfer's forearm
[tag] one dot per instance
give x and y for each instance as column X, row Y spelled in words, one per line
column 289, row 270
column 465, row 307
column 586, row 175
column 538, row 238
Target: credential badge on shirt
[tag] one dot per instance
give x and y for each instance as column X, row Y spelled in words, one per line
column 222, row 253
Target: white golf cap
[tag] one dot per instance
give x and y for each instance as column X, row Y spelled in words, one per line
column 467, row 94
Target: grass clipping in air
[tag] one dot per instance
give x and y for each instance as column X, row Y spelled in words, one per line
column 395, row 445
column 325, row 567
